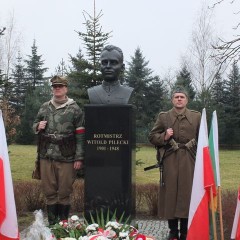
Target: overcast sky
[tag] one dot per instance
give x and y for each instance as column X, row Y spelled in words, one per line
column 162, row 29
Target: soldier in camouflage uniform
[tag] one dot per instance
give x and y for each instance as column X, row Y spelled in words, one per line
column 175, row 133
column 59, row 124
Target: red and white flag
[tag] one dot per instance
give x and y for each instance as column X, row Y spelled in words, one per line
column 236, row 223
column 203, row 181
column 8, row 215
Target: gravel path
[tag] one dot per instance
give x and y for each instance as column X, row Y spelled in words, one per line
column 153, row 228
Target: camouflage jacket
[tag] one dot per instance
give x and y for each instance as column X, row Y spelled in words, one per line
column 63, row 137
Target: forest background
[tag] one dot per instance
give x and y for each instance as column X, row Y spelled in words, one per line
column 209, row 71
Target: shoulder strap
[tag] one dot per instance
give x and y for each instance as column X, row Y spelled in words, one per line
column 168, row 120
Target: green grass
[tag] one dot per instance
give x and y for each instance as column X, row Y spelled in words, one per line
column 147, row 155
column 229, row 167
column 22, row 158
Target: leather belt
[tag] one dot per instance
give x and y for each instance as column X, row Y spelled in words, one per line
column 53, row 138
column 181, row 145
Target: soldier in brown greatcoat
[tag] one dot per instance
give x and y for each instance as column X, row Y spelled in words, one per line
column 179, row 126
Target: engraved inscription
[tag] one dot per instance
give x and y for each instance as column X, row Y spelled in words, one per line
column 108, row 141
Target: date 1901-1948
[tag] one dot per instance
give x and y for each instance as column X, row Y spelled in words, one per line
column 105, row 148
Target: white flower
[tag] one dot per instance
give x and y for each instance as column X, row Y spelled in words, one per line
column 83, row 238
column 114, row 225
column 74, row 218
column 68, row 238
column 102, row 238
column 123, row 234
column 92, row 227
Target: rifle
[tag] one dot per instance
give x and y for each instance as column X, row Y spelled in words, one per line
column 158, row 165
column 36, row 172
column 172, row 147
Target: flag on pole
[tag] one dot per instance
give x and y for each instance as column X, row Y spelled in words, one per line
column 236, row 223
column 8, row 215
column 203, row 182
column 214, row 149
column 214, row 152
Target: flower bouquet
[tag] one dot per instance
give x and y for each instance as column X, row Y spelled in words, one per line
column 102, row 229
column 73, row 228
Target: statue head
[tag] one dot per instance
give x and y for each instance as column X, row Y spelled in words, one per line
column 112, row 65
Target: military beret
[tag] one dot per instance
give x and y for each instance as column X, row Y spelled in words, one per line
column 179, row 89
column 59, row 80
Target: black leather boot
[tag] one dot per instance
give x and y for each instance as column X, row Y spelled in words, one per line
column 52, row 211
column 183, row 228
column 183, row 236
column 63, row 211
column 173, row 226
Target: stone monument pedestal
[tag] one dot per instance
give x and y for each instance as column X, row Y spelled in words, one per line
column 110, row 160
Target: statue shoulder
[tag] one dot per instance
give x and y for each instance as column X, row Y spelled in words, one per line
column 125, row 87
column 92, row 91
column 94, row 88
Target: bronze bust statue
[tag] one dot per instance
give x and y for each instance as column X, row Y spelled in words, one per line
column 110, row 91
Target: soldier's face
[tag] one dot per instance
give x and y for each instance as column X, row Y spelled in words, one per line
column 111, row 65
column 179, row 100
column 59, row 91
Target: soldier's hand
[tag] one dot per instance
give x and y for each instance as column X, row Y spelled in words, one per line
column 42, row 125
column 78, row 164
column 168, row 134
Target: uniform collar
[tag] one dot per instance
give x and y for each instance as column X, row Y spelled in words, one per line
column 173, row 115
column 189, row 116
column 69, row 102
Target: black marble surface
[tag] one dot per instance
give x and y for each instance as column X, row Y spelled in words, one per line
column 110, row 159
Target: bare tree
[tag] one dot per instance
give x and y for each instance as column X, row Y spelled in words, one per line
column 169, row 79
column 10, row 44
column 2, row 31
column 200, row 63
column 228, row 51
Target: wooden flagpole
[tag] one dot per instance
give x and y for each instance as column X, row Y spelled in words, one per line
column 220, row 211
column 213, row 215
